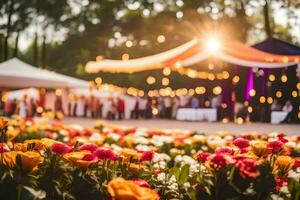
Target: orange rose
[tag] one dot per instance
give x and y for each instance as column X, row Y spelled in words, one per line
column 259, row 148
column 3, row 123
column 283, row 163
column 30, row 160
column 76, row 158
column 9, row 158
column 121, row 189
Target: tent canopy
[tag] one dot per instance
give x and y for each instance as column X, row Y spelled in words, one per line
column 15, row 73
column 194, row 52
column 276, row 46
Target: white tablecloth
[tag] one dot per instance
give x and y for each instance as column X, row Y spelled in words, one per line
column 278, row 116
column 190, row 114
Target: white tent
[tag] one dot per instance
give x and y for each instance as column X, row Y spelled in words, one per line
column 15, row 73
column 18, row 94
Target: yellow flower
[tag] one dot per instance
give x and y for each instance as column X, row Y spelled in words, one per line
column 20, row 147
column 30, row 160
column 121, row 189
column 3, row 123
column 259, row 148
column 283, row 163
column 12, row 133
column 9, row 158
column 130, row 153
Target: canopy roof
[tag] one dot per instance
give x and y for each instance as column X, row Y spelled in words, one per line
column 277, row 46
column 194, row 52
column 15, row 73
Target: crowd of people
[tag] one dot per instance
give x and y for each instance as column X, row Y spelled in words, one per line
column 124, row 106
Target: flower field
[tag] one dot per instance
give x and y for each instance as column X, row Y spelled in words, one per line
column 42, row 160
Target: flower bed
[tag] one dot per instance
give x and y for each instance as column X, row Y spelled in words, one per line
column 40, row 160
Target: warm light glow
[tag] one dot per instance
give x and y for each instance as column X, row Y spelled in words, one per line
column 155, row 111
column 161, row 38
column 191, row 92
column 294, row 93
column 239, row 120
column 200, row 90
column 262, row 99
column 235, row 79
column 141, row 93
column 207, row 103
column 151, row 80
column 211, row 66
column 98, row 80
column 39, row 109
column 178, row 65
column 272, row 77
column 278, row 94
column 225, row 74
column 299, row 115
column 125, row 56
column 165, row 81
column 252, row 92
column 211, row 77
column 284, row 78
column 167, row 71
column 212, row 44
column 99, row 58
column 270, row 100
column 250, row 109
column 128, row 43
column 58, row 92
column 298, row 86
column 217, row 90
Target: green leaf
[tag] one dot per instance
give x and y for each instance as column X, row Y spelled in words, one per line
column 184, row 174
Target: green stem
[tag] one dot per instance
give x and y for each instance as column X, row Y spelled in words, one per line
column 19, row 192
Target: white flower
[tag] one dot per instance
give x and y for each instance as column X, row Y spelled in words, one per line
column 295, row 174
column 114, row 136
column 141, row 140
column 141, row 147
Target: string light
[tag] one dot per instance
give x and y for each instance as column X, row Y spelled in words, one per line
column 294, row 93
column 225, row 74
column 272, row 77
column 155, row 111
column 99, row 58
column 165, row 81
column 161, row 38
column 125, row 56
column 167, row 71
column 284, row 78
column 200, row 90
column 58, row 92
column 151, row 80
column 252, row 92
column 235, row 79
column 191, row 92
column 128, row 43
column 98, row 80
column 262, row 99
column 270, row 100
column 278, row 94
column 298, row 86
column 217, row 90
column 211, row 66
column 211, row 77
column 250, row 109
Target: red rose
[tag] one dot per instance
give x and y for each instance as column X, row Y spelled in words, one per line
column 282, row 139
column 106, row 154
column 297, row 163
column 60, row 148
column 3, row 148
column 219, row 160
column 276, row 146
column 247, row 168
column 147, row 156
column 90, row 157
column 241, row 143
column 202, row 157
column 280, row 182
column 225, row 150
column 88, row 147
column 141, row 182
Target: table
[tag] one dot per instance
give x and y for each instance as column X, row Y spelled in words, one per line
column 191, row 114
column 278, row 116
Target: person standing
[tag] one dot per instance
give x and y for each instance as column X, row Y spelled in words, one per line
column 121, row 108
column 80, row 108
column 23, row 107
column 288, row 107
column 168, row 106
column 176, row 104
column 142, row 107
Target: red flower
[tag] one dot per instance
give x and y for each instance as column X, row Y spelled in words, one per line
column 141, row 182
column 90, row 157
column 225, row 150
column 106, row 154
column 247, row 167
column 276, row 146
column 280, row 182
column 282, row 139
column 88, row 147
column 60, row 148
column 3, row 148
column 202, row 157
column 219, row 160
column 241, row 143
column 147, row 156
column 297, row 163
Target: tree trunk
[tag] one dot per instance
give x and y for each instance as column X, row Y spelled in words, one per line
column 44, row 52
column 8, row 28
column 267, row 19
column 35, row 50
column 16, row 45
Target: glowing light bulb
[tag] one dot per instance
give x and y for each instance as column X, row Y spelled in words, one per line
column 212, row 44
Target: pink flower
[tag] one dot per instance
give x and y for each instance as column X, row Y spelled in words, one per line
column 147, row 156
column 247, row 168
column 225, row 150
column 297, row 163
column 241, row 143
column 202, row 157
column 276, row 146
column 219, row 160
column 282, row 139
column 280, row 182
column 3, row 148
column 106, row 154
column 90, row 157
column 88, row 147
column 141, row 182
column 60, row 148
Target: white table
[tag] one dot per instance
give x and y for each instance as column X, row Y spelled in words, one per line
column 278, row 116
column 190, row 114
